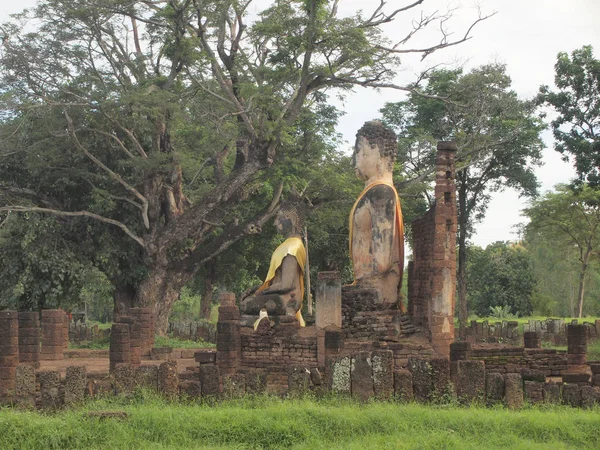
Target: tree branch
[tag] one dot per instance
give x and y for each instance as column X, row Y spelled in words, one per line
column 443, row 43
column 76, row 214
column 207, row 252
column 116, row 177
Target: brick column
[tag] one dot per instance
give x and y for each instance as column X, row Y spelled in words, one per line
column 441, row 308
column 229, row 346
column 53, row 334
column 144, row 317
column 576, row 345
column 29, row 338
column 120, row 345
column 135, row 338
column 531, row 339
column 9, row 350
column 329, row 300
column 66, row 322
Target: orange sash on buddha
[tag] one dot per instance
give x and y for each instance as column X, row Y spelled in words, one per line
column 399, row 229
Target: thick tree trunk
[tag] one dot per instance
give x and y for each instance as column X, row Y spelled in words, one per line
column 581, row 291
column 582, row 273
column 463, row 312
column 207, row 298
column 159, row 291
column 123, row 298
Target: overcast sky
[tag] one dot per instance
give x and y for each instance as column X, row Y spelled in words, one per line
column 524, row 34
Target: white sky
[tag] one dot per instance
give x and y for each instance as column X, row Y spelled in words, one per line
column 524, row 34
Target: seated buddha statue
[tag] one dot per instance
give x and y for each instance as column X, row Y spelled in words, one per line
column 282, row 292
column 376, row 226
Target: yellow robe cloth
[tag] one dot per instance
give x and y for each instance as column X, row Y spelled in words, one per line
column 399, row 222
column 291, row 246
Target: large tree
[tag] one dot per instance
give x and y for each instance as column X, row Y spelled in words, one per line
column 577, row 102
column 570, row 219
column 500, row 275
column 497, row 133
column 114, row 111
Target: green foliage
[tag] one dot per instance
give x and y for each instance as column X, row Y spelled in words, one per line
column 104, row 104
column 275, row 424
column 565, row 224
column 186, row 308
column 166, row 341
column 498, row 139
column 577, row 102
column 500, row 279
column 501, row 312
column 39, row 268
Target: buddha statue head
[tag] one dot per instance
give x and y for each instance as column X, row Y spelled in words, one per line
column 291, row 216
column 374, row 151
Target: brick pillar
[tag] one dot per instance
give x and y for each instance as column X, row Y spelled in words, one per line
column 29, row 338
column 531, row 339
column 66, row 322
column 9, row 350
column 120, row 345
column 135, row 338
column 412, row 289
column 144, row 317
column 229, row 345
column 441, row 308
column 576, row 345
column 53, row 334
column 329, row 300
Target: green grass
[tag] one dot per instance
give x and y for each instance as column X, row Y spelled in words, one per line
column 214, row 314
column 270, row 423
column 101, row 325
column 593, row 349
column 165, row 341
column 159, row 341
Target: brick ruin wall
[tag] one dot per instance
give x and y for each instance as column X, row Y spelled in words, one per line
column 193, row 331
column 432, row 272
column 362, row 370
column 361, row 375
column 553, row 331
column 267, row 350
column 420, row 269
column 361, row 319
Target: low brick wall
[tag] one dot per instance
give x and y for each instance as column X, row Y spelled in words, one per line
column 513, row 359
column 79, row 332
column 268, row 350
column 506, row 332
column 193, row 331
column 510, row 332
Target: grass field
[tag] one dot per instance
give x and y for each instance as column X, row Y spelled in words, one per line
column 266, row 423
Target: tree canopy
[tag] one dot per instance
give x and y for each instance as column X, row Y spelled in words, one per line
column 498, row 137
column 161, row 130
column 500, row 275
column 570, row 218
column 576, row 129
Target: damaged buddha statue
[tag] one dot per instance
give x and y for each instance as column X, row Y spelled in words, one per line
column 280, row 296
column 376, row 226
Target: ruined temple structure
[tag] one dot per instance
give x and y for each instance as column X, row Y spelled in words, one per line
column 432, row 273
column 364, row 342
column 356, row 320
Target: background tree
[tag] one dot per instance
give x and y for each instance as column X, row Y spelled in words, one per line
column 577, row 102
column 556, row 271
column 127, row 104
column 500, row 276
column 497, row 133
column 570, row 218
